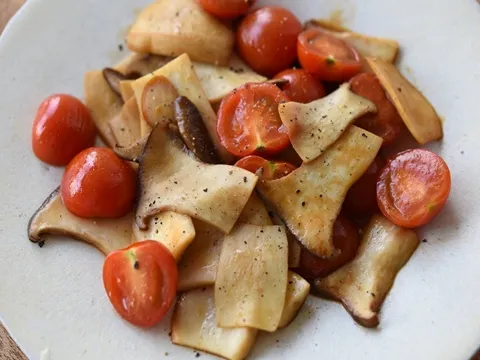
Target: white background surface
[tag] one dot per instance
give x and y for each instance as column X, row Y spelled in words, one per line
column 53, row 297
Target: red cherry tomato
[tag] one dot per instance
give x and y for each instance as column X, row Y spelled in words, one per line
column 62, row 128
column 227, row 9
column 249, row 122
column 271, row 170
column 327, row 57
column 361, row 199
column 345, row 238
column 413, row 187
column 301, row 86
column 97, row 183
column 141, row 282
column 386, row 122
column 266, row 39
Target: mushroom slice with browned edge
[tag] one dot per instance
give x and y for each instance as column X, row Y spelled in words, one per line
column 181, row 73
column 313, row 127
column 363, row 284
column 132, row 152
column 105, row 234
column 297, row 291
column 125, row 126
column 194, row 325
column 415, row 110
column 193, row 130
column 173, row 230
column 309, row 199
column 157, row 101
column 199, row 264
column 173, row 28
column 251, row 283
column 114, row 77
column 171, row 178
column 380, row 48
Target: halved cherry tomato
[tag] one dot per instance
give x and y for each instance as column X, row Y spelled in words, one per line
column 413, row 187
column 267, row 38
column 62, row 128
column 301, row 86
column 271, row 170
column 361, row 199
column 345, row 239
column 227, row 9
column 97, row 183
column 141, row 282
column 327, row 57
column 386, row 122
column 248, row 120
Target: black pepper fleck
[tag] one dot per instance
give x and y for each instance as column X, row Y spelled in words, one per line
column 205, row 190
column 41, row 243
column 136, row 265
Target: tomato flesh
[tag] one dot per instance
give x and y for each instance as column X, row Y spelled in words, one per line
column 301, row 87
column 97, row 183
column 62, row 128
column 345, row 238
column 271, row 170
column 227, row 9
column 327, row 57
column 249, row 122
column 266, row 39
column 361, row 199
column 141, row 282
column 413, row 187
column 386, row 122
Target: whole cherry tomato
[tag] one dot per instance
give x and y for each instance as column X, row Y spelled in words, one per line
column 327, row 57
column 413, row 187
column 361, row 199
column 345, row 238
column 62, row 128
column 249, row 122
column 227, row 9
column 301, row 87
column 141, row 282
column 267, row 39
column 97, row 183
column 271, row 170
column 386, row 122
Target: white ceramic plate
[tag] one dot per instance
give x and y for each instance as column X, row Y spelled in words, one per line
column 53, row 297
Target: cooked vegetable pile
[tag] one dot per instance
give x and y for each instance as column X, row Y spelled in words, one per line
column 248, row 161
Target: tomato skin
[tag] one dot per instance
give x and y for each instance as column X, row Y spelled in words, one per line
column 266, row 39
column 361, row 199
column 141, row 282
column 227, row 9
column 327, row 57
column 249, row 122
column 345, row 238
column 62, row 128
column 386, row 122
column 97, row 183
column 413, row 187
column 271, row 170
column 301, row 86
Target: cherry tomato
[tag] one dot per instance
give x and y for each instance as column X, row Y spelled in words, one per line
column 141, row 282
column 271, row 170
column 301, row 86
column 386, row 122
column 413, row 187
column 345, row 238
column 97, row 183
column 227, row 9
column 327, row 57
column 62, row 128
column 361, row 199
column 266, row 39
column 249, row 122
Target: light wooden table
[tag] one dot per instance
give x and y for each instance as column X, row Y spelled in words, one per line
column 8, row 348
